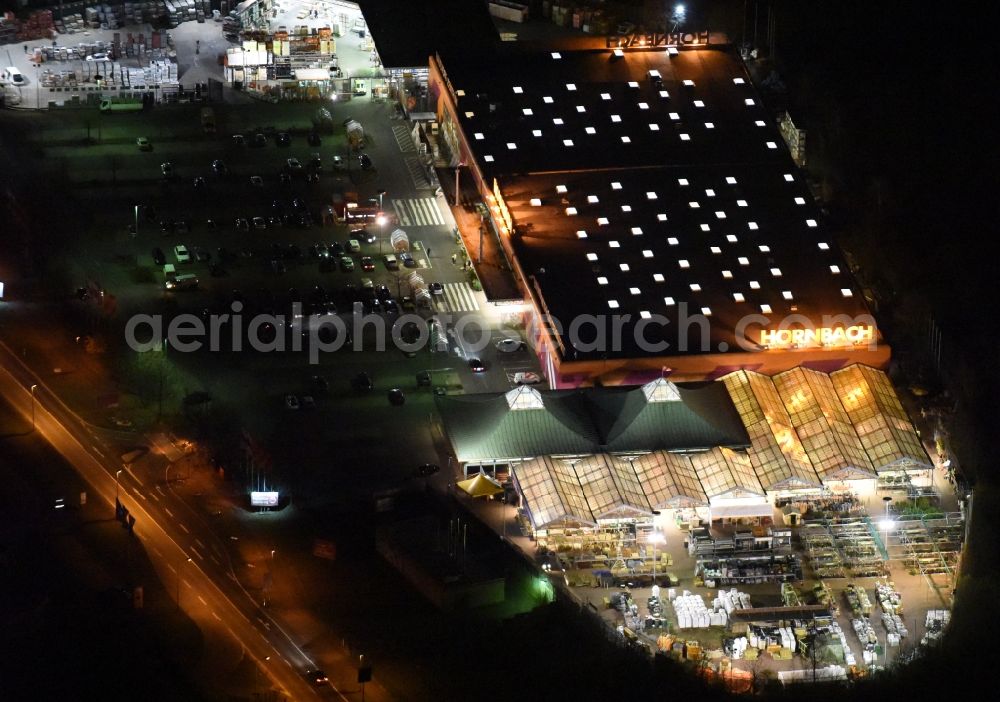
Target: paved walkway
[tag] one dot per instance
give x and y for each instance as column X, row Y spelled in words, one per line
column 493, row 270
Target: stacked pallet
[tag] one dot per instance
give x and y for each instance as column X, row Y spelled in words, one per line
column 179, row 11
column 8, row 29
column 231, row 27
column 38, row 25
column 71, row 24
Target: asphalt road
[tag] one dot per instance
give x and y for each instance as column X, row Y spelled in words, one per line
column 171, row 540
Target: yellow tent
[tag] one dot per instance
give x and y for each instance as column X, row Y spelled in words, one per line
column 480, row 485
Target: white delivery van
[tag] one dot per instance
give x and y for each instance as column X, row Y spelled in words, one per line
column 13, row 76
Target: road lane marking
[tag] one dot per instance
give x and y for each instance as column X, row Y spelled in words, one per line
column 202, row 600
column 186, row 531
column 196, row 551
column 167, row 510
column 155, row 550
column 97, row 451
column 153, row 495
column 160, row 490
column 198, row 541
column 136, row 491
column 217, row 617
column 216, row 561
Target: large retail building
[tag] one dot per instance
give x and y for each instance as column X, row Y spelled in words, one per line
column 649, row 188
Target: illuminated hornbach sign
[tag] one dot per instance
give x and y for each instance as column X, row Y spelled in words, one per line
column 823, row 336
column 651, row 40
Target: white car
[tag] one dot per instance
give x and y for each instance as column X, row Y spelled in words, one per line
column 508, row 345
column 527, row 378
column 257, row 181
column 98, row 57
column 167, row 169
column 143, row 144
column 291, row 402
column 259, row 223
column 182, row 254
column 294, row 165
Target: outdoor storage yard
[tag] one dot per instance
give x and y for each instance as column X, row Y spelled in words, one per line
column 869, row 589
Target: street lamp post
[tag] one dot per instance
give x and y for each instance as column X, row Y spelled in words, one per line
column 117, row 474
column 136, row 231
column 380, row 221
column 33, row 388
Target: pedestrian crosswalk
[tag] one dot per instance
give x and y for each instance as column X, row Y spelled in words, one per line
column 458, row 297
column 418, row 212
column 403, row 138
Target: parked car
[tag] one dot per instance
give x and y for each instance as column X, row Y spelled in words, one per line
column 283, row 139
column 319, row 385
column 396, row 397
column 242, row 225
column 476, row 365
column 427, row 469
column 219, row 167
column 509, row 345
column 346, row 263
column 182, row 254
column 143, row 144
column 238, row 140
column 527, row 378
column 365, row 161
column 391, row 262
column 100, row 57
column 293, row 165
column 408, row 260
column 291, row 402
column 362, row 382
column 259, row 223
column 167, row 169
column 367, row 264
column 158, row 257
column 256, row 181
column 353, row 245
column 199, row 183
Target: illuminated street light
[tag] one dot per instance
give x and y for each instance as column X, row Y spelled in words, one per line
column 117, row 473
column 33, row 387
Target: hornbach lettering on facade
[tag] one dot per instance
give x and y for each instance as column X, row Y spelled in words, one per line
column 654, row 39
column 824, row 336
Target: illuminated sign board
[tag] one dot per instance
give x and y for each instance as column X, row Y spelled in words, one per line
column 263, row 499
column 823, row 336
column 653, row 40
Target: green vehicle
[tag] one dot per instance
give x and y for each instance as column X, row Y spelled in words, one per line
column 109, row 105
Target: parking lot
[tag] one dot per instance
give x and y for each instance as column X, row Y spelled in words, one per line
column 257, row 231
